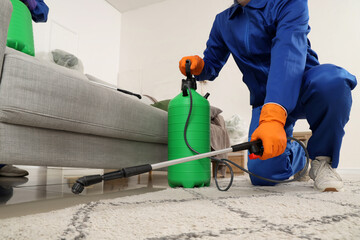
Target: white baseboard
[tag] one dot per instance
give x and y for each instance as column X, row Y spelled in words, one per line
column 348, row 170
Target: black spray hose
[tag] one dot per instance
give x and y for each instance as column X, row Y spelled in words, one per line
column 227, row 161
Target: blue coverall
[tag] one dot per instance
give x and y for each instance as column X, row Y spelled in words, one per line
column 268, row 41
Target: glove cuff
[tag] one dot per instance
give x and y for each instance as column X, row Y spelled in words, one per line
column 273, row 112
column 200, row 65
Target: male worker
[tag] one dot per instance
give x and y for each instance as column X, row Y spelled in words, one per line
column 268, row 40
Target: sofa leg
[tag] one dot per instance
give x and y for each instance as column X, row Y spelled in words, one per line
column 149, row 177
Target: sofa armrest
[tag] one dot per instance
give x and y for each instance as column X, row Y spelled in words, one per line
column 5, row 15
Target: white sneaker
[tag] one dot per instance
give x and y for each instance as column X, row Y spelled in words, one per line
column 326, row 179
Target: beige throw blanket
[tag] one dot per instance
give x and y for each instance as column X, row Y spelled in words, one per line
column 219, row 137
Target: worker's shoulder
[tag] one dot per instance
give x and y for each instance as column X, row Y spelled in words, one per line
column 271, row 7
column 282, row 3
column 282, row 7
column 261, row 4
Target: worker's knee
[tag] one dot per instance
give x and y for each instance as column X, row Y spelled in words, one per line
column 277, row 168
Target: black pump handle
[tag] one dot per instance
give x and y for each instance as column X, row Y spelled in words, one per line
column 190, row 81
column 187, row 69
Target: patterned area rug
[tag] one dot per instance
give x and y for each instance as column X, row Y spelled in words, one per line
column 287, row 211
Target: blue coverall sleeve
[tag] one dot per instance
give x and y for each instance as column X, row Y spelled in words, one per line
column 215, row 55
column 288, row 54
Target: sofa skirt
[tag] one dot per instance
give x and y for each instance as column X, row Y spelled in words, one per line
column 25, row 145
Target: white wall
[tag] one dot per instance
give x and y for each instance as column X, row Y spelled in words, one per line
column 154, row 38
column 90, row 29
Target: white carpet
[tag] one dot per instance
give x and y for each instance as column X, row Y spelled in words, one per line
column 288, row 211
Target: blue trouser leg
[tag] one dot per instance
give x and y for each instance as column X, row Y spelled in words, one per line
column 2, row 165
column 325, row 101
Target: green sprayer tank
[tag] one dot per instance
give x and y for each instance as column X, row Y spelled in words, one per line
column 20, row 32
column 195, row 173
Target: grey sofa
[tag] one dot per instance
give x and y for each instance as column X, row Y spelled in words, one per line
column 54, row 116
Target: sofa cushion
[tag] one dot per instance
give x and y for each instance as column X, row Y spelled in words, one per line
column 41, row 94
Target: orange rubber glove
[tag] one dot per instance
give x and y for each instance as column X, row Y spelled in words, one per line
column 271, row 130
column 197, row 65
